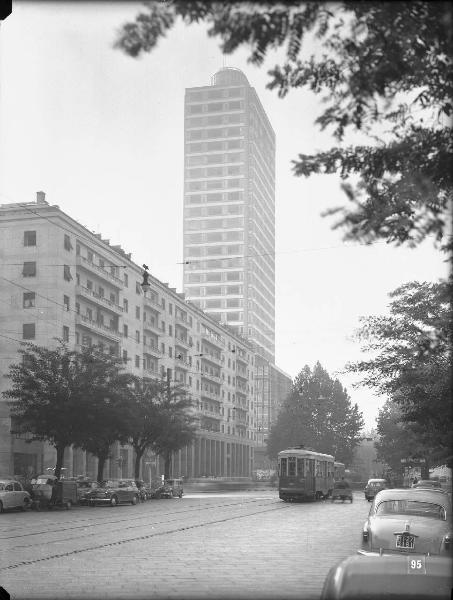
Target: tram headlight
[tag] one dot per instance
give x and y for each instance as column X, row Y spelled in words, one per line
column 365, row 534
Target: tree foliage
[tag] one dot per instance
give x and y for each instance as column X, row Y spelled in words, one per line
column 385, row 64
column 411, row 362
column 319, row 414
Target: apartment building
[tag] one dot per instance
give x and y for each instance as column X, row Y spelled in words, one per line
column 229, row 207
column 61, row 281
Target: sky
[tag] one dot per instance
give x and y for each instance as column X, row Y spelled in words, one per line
column 102, row 134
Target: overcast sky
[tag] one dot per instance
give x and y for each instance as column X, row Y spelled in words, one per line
column 102, row 135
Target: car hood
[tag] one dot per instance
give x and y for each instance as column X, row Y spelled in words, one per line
column 428, row 533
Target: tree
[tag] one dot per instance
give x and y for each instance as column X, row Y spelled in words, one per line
column 411, row 361
column 52, row 392
column 384, row 64
column 104, row 406
column 395, row 441
column 145, row 407
column 176, row 424
column 319, row 414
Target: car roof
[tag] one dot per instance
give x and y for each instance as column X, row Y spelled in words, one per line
column 377, row 479
column 420, row 494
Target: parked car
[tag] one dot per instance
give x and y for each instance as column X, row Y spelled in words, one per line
column 427, row 483
column 13, row 495
column 84, row 487
column 114, row 492
column 410, row 521
column 389, row 576
column 373, row 487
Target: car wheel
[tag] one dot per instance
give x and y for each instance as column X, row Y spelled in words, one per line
column 1, row 507
column 134, row 500
column 113, row 501
column 25, row 505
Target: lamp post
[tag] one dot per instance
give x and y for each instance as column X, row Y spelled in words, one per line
column 145, row 283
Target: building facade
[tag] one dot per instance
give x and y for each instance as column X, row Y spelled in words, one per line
column 60, row 281
column 229, row 207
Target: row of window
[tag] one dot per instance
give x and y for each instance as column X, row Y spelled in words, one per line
column 214, row 277
column 233, row 249
column 214, row 94
column 206, row 134
column 199, row 147
column 30, row 239
column 228, row 171
column 214, row 263
column 217, row 290
column 215, row 236
column 216, row 224
column 214, row 159
column 215, row 210
column 29, row 269
column 232, row 118
column 194, row 109
column 214, row 197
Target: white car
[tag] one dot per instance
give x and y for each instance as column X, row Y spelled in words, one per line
column 13, row 495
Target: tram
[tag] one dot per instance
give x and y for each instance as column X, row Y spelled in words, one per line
column 304, row 474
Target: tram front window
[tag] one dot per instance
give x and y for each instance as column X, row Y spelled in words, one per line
column 283, row 467
column 300, row 467
column 292, row 466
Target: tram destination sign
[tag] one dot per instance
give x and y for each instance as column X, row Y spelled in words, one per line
column 413, row 461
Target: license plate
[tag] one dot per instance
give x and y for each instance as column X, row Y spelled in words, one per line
column 405, row 541
column 416, row 565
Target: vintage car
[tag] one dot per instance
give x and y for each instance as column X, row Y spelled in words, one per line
column 114, row 492
column 13, row 495
column 373, row 487
column 84, row 487
column 410, row 521
column 389, row 577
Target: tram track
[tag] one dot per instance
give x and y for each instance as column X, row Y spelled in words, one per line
column 148, row 536
column 83, row 523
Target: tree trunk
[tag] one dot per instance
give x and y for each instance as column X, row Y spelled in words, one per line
column 101, row 464
column 60, row 458
column 138, row 457
column 167, row 465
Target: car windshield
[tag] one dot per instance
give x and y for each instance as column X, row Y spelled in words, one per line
column 109, row 484
column 42, row 481
column 411, row 508
column 376, row 483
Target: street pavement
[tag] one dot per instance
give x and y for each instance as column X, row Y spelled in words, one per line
column 227, row 546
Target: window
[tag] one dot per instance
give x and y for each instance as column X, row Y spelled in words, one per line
column 28, row 331
column 170, row 308
column 67, row 273
column 29, row 238
column 137, row 287
column 137, row 312
column 65, row 333
column 66, row 302
column 125, row 305
column 101, row 263
column 29, row 299
column 163, row 303
column 89, row 284
column 125, row 331
column 170, row 351
column 67, row 242
column 213, row 291
column 170, row 330
column 124, row 356
column 90, row 256
column 89, row 314
column 137, row 337
column 126, row 279
column 233, row 316
column 29, row 269
column 112, row 298
column 137, row 361
column 77, row 307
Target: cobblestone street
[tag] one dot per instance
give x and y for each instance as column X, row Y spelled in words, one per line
column 248, row 545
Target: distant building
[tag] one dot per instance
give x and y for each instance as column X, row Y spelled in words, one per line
column 59, row 280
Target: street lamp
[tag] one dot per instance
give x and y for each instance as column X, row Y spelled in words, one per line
column 145, row 283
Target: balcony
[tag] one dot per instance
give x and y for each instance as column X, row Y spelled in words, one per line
column 180, row 363
column 152, row 303
column 215, row 378
column 150, row 373
column 87, row 293
column 182, row 321
column 152, row 350
column 242, row 375
column 210, row 395
column 100, row 329
column 205, row 356
column 183, row 342
column 93, row 268
column 212, row 338
column 153, row 327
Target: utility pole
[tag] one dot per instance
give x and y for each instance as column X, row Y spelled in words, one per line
column 169, row 456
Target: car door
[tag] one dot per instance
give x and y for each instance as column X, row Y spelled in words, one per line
column 19, row 494
column 9, row 497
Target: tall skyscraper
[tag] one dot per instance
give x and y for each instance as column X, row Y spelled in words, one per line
column 229, row 208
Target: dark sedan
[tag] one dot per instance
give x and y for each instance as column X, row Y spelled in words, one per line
column 114, row 492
